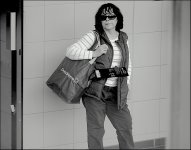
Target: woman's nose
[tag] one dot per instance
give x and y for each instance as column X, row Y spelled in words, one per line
column 107, row 19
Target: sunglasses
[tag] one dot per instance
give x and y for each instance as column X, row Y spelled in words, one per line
column 103, row 18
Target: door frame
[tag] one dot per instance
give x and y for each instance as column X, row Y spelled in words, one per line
column 7, row 8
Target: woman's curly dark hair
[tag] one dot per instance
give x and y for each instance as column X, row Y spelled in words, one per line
column 117, row 12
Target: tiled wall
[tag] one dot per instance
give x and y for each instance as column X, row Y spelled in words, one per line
column 50, row 27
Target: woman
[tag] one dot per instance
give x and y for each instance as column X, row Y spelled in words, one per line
column 106, row 96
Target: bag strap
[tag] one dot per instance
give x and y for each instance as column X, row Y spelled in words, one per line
column 98, row 40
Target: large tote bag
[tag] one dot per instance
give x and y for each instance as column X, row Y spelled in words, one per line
column 71, row 78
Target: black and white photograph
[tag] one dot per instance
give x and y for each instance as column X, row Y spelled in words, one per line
column 106, row 74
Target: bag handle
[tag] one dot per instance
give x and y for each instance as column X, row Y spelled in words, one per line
column 98, row 40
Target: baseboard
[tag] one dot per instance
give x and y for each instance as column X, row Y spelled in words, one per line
column 159, row 143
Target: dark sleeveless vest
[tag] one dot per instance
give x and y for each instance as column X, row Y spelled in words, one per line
column 104, row 61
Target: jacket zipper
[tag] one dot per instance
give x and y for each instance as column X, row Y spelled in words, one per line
column 120, row 80
column 111, row 57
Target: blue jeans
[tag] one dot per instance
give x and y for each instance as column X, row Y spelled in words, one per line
column 96, row 110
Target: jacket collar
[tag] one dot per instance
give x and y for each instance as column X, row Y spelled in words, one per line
column 105, row 37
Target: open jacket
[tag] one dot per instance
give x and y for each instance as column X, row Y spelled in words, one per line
column 104, row 61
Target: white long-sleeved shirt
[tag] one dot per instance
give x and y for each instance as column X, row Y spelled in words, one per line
column 79, row 50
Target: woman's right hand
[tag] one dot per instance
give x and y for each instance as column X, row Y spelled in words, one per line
column 102, row 49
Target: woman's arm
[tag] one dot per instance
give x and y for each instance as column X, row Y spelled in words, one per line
column 129, row 67
column 79, row 50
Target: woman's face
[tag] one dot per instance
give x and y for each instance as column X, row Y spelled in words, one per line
column 109, row 19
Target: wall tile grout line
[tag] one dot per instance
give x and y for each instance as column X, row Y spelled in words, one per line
column 74, row 6
column 44, row 71
column 159, row 103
